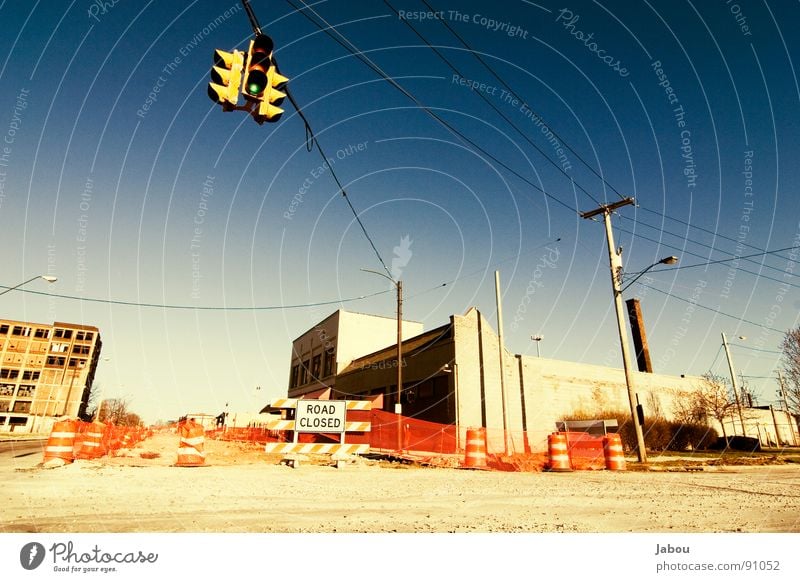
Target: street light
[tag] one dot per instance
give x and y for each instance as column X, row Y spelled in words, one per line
column 398, row 407
column 48, row 278
column 733, row 382
column 537, row 339
column 671, row 260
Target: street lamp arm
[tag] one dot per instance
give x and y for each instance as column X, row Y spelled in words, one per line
column 45, row 277
column 385, row 276
column 671, row 260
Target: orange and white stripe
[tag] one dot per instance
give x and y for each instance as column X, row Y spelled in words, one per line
column 316, row 448
column 348, row 426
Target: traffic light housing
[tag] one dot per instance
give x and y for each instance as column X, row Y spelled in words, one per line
column 262, row 81
column 226, row 78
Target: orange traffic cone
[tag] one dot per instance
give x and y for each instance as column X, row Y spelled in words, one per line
column 190, row 450
column 92, row 445
column 61, row 442
column 612, row 449
column 475, row 454
column 557, row 453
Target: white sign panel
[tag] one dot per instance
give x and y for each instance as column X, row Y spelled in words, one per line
column 320, row 415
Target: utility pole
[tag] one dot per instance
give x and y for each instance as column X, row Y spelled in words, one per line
column 735, row 387
column 615, row 263
column 398, row 407
column 499, row 300
column 789, row 415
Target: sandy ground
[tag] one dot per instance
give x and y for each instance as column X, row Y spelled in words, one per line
column 241, row 489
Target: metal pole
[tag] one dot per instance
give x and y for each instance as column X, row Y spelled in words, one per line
column 789, row 415
column 735, row 387
column 616, row 271
column 398, row 407
column 503, row 397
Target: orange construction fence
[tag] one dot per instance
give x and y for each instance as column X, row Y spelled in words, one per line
column 91, row 440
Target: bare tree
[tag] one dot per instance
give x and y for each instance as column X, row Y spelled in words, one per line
column 713, row 398
column 117, row 411
column 791, row 369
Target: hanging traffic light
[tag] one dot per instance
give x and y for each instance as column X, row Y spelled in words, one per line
column 226, row 78
column 269, row 106
column 262, row 81
column 259, row 60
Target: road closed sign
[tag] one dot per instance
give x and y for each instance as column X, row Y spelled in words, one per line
column 320, row 415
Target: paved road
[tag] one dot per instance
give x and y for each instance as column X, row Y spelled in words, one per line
column 15, row 452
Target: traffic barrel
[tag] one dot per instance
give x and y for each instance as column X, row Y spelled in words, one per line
column 61, row 442
column 612, row 450
column 558, row 453
column 190, row 450
column 475, row 454
column 92, row 445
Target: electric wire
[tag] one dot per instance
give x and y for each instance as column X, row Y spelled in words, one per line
column 359, row 55
column 199, row 307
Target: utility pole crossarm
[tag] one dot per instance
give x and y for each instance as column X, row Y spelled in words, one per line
column 608, row 208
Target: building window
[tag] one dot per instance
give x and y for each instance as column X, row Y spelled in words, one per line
column 330, row 362
column 42, row 333
column 5, row 405
column 30, row 375
column 9, row 374
column 21, row 330
column 6, row 389
column 315, row 366
column 22, row 406
column 25, row 391
column 83, row 350
column 3, row 329
column 304, row 373
column 63, row 333
column 295, row 374
column 55, row 361
column 84, row 336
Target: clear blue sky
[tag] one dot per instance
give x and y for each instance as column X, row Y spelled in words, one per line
column 120, row 176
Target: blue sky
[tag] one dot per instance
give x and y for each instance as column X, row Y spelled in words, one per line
column 122, row 178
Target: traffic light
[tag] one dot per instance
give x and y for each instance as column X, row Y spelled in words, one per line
column 226, row 78
column 269, row 107
column 263, row 81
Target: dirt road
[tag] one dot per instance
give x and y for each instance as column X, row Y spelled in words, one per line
column 242, row 490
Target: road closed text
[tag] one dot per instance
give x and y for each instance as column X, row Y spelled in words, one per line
column 326, row 416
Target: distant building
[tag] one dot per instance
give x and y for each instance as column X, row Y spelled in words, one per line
column 46, row 371
column 323, row 351
column 452, row 375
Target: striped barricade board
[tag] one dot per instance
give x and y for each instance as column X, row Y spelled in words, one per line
column 319, row 416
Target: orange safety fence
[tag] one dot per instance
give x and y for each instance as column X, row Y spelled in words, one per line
column 94, row 439
column 505, row 450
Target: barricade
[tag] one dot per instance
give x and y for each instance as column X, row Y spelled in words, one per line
column 557, row 453
column 475, row 453
column 92, row 445
column 61, row 442
column 190, row 450
column 612, row 449
column 585, row 451
column 315, row 446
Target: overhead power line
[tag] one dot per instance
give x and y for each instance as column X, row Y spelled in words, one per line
column 199, row 307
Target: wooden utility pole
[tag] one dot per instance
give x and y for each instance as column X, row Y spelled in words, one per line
column 615, row 263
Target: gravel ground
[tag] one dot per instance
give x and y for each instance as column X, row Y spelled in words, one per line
column 241, row 489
